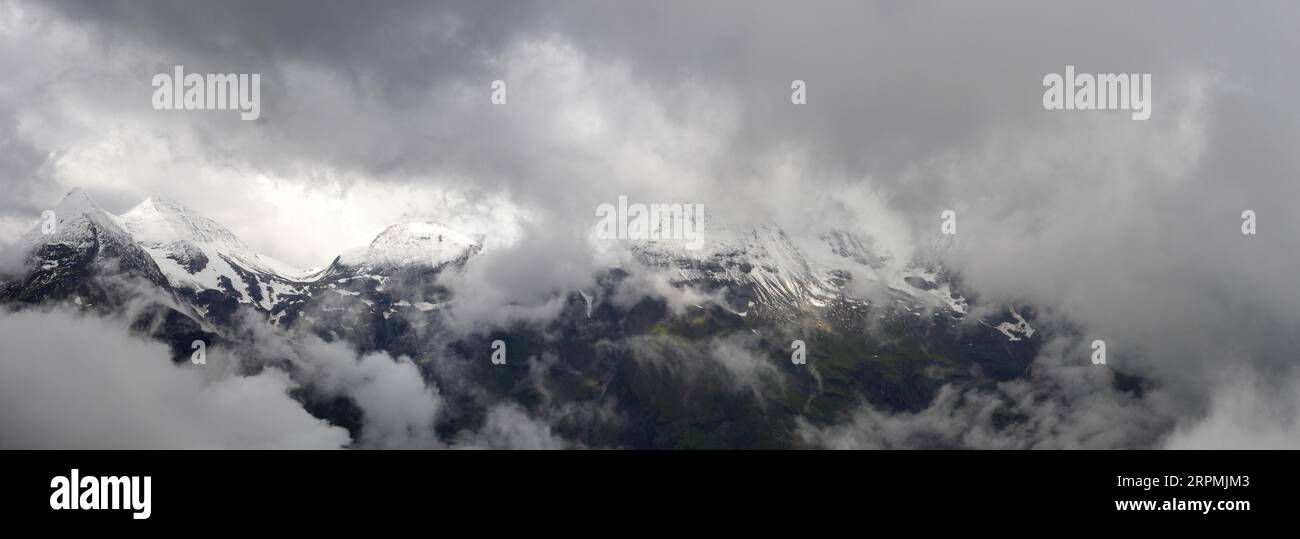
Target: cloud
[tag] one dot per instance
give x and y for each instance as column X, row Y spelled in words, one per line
column 509, row 427
column 527, row 281
column 748, row 368
column 1245, row 414
column 400, row 402
column 1061, row 404
column 74, row 381
column 398, row 407
column 70, row 381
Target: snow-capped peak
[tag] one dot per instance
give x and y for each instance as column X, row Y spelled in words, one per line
column 74, row 216
column 78, row 201
column 419, row 243
column 160, row 223
column 161, row 220
column 806, row 270
column 197, row 253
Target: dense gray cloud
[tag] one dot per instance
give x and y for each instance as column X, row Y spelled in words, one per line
column 1246, row 415
column 78, row 382
column 399, row 408
column 1127, row 230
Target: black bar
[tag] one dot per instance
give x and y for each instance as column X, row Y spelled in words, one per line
column 540, row 490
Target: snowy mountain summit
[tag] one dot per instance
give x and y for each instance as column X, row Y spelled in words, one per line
column 414, row 244
column 197, row 253
column 202, row 264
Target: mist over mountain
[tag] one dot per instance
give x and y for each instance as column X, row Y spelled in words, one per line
column 655, row 353
column 350, row 257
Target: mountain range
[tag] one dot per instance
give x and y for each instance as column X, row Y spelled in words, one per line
column 616, row 366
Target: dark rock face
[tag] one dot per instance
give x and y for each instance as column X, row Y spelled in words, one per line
column 60, row 271
column 104, row 274
column 189, row 257
column 920, row 283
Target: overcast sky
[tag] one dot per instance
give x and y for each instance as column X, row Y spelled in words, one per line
column 375, row 114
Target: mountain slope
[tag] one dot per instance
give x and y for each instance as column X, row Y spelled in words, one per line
column 206, row 263
column 86, row 239
column 92, row 261
column 781, row 279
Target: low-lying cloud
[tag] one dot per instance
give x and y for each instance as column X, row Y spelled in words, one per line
column 82, row 382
